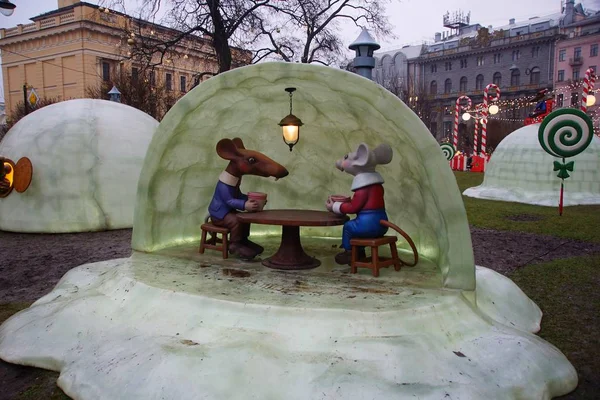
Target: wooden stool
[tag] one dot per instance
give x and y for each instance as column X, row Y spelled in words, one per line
column 376, row 262
column 212, row 242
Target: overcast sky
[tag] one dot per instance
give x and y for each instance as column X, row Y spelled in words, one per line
column 414, row 21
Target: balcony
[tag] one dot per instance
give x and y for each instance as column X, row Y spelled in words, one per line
column 575, row 61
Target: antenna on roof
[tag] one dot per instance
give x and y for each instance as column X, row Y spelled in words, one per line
column 456, row 21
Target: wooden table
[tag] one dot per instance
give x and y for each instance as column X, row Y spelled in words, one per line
column 291, row 255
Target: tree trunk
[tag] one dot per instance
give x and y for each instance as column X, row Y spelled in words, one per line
column 220, row 39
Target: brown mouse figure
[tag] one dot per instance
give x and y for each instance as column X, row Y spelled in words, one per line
column 228, row 200
column 367, row 203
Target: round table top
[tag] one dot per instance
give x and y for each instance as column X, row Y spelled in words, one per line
column 293, row 218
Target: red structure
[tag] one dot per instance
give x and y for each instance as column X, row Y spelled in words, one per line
column 538, row 118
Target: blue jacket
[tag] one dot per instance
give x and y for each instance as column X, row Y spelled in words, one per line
column 226, row 199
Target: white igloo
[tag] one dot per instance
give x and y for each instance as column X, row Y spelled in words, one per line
column 86, row 155
column 521, row 171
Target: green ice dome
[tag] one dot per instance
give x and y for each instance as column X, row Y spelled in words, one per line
column 521, row 171
column 339, row 110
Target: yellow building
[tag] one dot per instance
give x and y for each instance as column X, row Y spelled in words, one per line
column 79, row 45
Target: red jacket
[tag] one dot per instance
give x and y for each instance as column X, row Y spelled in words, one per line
column 365, row 198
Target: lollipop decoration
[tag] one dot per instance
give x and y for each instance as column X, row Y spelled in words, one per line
column 448, row 150
column 565, row 133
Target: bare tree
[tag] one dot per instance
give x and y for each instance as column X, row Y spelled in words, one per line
column 142, row 92
column 308, row 30
column 291, row 30
column 394, row 82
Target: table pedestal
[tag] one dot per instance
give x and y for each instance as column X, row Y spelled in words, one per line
column 291, row 255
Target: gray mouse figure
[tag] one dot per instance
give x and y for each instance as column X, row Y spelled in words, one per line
column 367, row 202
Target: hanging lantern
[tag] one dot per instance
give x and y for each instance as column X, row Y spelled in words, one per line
column 291, row 125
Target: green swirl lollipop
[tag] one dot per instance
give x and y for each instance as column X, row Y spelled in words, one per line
column 448, row 150
column 566, row 132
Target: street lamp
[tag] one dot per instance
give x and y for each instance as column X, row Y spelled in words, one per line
column 494, row 109
column 115, row 95
column 7, row 8
column 590, row 100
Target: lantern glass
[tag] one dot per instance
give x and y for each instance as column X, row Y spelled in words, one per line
column 7, row 12
column 590, row 100
column 466, row 116
column 494, row 109
column 290, row 134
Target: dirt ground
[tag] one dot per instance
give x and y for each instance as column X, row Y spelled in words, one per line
column 33, row 263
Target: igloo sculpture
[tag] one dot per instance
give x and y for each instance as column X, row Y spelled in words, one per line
column 171, row 323
column 521, row 171
column 87, row 156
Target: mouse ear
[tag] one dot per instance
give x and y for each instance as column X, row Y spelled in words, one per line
column 238, row 143
column 383, row 154
column 227, row 149
column 362, row 155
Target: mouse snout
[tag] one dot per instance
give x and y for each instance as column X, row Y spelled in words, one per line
column 339, row 165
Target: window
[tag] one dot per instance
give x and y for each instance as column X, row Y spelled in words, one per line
column 463, row 84
column 447, row 128
column 480, row 61
column 534, row 76
column 448, row 86
column 516, row 54
column 561, row 75
column 577, row 52
column 135, row 74
column 153, row 78
column 169, row 81
column 497, row 79
column 479, row 82
column 433, row 87
column 535, row 51
column 463, row 63
column 433, row 68
column 560, row 99
column 562, row 55
column 448, row 65
column 182, row 84
column 515, row 77
column 575, row 99
column 575, row 73
column 105, row 71
column 594, row 50
column 497, row 58
column 433, row 128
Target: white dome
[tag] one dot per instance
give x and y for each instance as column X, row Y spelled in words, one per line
column 521, row 171
column 87, row 156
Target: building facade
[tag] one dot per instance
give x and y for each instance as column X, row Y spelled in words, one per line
column 391, row 70
column 80, row 45
column 576, row 52
column 518, row 57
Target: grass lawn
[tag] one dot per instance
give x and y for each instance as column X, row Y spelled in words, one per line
column 567, row 289
column 577, row 222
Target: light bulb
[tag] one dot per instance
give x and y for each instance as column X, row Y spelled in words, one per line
column 290, row 133
column 590, row 100
column 494, row 109
column 466, row 116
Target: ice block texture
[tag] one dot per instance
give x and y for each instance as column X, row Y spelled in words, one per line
column 87, row 156
column 148, row 327
column 339, row 110
column 521, row 171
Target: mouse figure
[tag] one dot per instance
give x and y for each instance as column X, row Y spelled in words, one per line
column 367, row 202
column 228, row 200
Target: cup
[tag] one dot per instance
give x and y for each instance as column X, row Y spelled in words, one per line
column 340, row 198
column 260, row 197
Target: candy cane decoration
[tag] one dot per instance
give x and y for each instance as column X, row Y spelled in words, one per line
column 475, row 144
column 588, row 87
column 484, row 112
column 456, row 117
